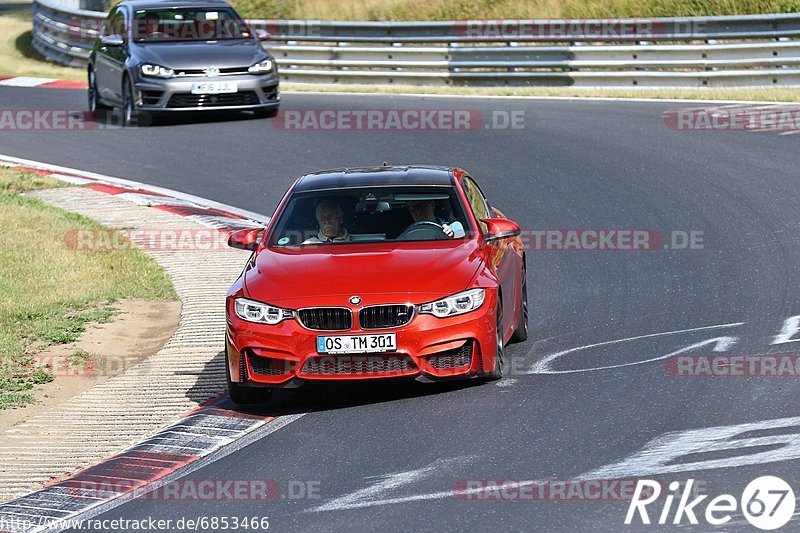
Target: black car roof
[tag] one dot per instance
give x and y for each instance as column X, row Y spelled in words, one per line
column 166, row 4
column 337, row 178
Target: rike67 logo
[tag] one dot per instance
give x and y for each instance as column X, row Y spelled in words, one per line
column 766, row 503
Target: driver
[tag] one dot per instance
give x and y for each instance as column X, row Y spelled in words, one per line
column 422, row 211
column 329, row 217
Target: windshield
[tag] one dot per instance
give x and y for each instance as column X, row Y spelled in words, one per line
column 189, row 24
column 371, row 214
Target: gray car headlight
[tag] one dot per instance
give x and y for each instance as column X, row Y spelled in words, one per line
column 457, row 304
column 253, row 311
column 261, row 67
column 156, row 71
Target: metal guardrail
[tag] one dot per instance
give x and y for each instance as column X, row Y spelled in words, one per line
column 64, row 34
column 641, row 52
column 665, row 29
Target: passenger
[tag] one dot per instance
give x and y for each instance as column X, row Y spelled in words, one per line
column 330, row 218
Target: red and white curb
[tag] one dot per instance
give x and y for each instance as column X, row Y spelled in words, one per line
column 25, row 81
column 201, row 210
column 205, row 435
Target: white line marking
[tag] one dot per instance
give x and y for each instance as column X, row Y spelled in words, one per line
column 790, row 328
column 70, row 179
column 662, row 455
column 654, row 458
column 24, row 81
column 363, row 497
column 152, row 199
column 543, row 366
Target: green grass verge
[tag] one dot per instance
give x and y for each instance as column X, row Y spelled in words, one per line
column 496, row 9
column 18, row 58
column 767, row 94
column 50, row 291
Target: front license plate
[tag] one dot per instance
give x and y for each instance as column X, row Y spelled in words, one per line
column 215, row 87
column 386, row 342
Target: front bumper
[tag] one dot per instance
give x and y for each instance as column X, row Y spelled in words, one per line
column 285, row 355
column 175, row 94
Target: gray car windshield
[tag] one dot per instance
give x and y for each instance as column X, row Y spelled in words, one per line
column 371, row 214
column 193, row 24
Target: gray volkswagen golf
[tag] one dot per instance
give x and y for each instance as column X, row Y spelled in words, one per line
column 153, row 56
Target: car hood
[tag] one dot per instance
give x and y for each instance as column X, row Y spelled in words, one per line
column 202, row 54
column 330, row 274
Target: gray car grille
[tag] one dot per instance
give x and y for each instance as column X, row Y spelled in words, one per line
column 270, row 91
column 201, row 72
column 213, row 100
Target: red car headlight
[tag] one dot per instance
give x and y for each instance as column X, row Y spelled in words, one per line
column 253, row 311
column 457, row 304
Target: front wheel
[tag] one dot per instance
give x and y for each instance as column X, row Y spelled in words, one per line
column 244, row 395
column 500, row 364
column 521, row 333
column 130, row 115
column 95, row 104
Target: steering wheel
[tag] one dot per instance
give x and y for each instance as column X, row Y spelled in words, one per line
column 423, row 230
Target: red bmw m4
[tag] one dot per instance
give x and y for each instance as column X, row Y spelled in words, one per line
column 376, row 273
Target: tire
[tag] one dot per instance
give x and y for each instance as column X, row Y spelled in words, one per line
column 500, row 363
column 244, row 395
column 130, row 116
column 96, row 106
column 265, row 113
column 521, row 333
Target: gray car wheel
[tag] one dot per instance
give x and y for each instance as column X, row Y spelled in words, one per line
column 130, row 116
column 95, row 105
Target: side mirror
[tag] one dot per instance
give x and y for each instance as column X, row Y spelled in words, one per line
column 262, row 34
column 500, row 228
column 111, row 40
column 245, row 239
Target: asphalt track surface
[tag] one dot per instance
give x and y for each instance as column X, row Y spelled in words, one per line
column 385, row 456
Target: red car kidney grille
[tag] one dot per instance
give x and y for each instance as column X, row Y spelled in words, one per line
column 385, row 316
column 326, row 318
